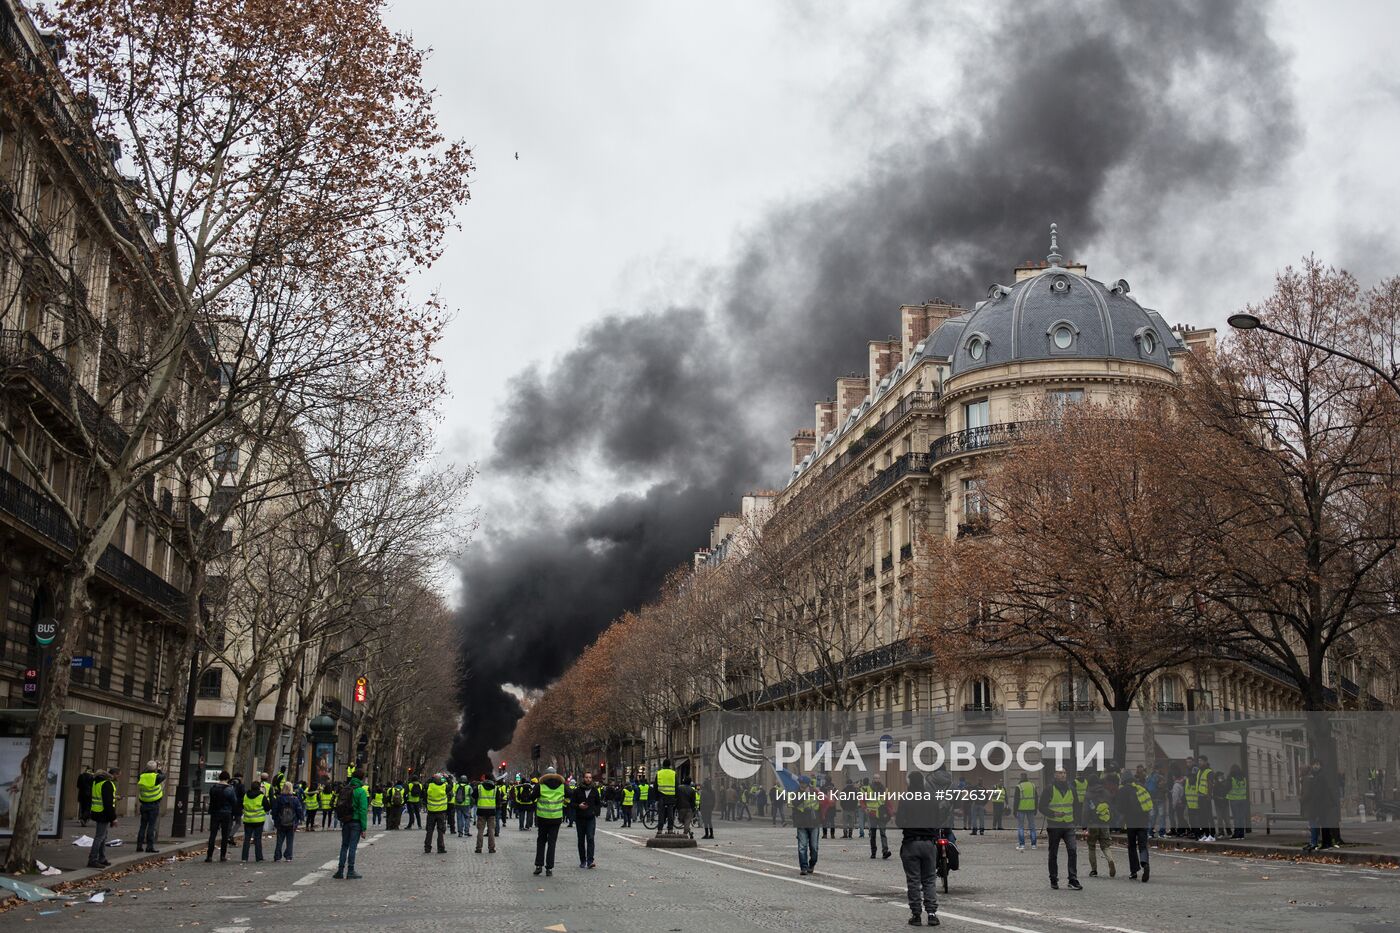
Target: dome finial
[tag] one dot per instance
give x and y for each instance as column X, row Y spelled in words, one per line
column 1054, row 257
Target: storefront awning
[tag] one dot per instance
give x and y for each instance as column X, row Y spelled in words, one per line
column 69, row 717
column 1175, row 747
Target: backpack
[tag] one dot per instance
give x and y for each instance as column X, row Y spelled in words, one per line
column 345, row 805
column 287, row 816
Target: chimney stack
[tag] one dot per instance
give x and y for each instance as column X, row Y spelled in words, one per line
column 803, row 443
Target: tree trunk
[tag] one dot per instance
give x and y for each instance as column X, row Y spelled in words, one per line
column 191, row 637
column 237, row 730
column 250, row 700
column 299, row 729
column 284, row 699
column 74, row 608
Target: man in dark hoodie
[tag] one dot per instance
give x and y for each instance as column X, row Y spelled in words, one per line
column 488, row 797
column 920, row 817
column 549, row 813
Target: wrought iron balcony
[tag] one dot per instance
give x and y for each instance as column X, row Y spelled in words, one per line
column 887, row 563
column 22, row 353
column 1069, row 709
column 974, row 439
column 978, row 526
column 980, row 710
column 906, row 552
column 47, row 520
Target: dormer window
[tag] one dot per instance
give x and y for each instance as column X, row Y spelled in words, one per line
column 977, row 347
column 1147, row 341
column 1063, row 337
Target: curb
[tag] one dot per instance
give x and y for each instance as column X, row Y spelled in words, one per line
column 83, row 875
column 1339, row 856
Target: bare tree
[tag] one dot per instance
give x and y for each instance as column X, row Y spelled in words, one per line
column 267, row 140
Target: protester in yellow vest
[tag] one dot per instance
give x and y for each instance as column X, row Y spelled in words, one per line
column 150, row 788
column 435, row 796
column 254, row 816
column 103, row 802
column 1057, row 803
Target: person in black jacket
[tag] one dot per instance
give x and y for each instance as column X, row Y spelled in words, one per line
column 221, row 806
column 585, row 802
column 287, row 812
column 918, row 815
column 85, row 795
column 103, row 817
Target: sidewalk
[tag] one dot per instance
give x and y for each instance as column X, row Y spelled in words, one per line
column 1369, row 843
column 71, row 860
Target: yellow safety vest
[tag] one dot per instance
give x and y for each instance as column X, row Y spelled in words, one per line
column 666, row 782
column 1193, row 796
column 551, row 803
column 1081, row 787
column 327, row 799
column 1025, row 796
column 97, row 795
column 378, row 801
column 1239, row 789
column 485, row 797
column 437, row 797
column 644, row 790
column 628, row 794
column 1144, row 798
column 147, row 789
column 253, row 811
column 1061, row 805
column 311, row 799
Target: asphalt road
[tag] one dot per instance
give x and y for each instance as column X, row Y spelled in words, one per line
column 747, row 880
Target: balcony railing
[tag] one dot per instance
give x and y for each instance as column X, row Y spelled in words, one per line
column 978, row 526
column 914, row 401
column 21, row 351
column 887, row 563
column 870, row 573
column 37, row 512
column 979, row 710
column 906, row 552
column 915, row 463
column 972, row 439
column 1070, row 708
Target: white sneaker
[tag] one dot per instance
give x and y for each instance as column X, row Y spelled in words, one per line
column 1020, row 848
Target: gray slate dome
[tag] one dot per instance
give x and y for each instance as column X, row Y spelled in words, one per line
column 1055, row 314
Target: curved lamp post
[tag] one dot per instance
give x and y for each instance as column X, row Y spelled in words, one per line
column 1245, row 321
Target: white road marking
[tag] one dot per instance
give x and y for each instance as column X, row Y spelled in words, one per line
column 282, row 897
column 312, row 878
column 232, row 929
column 824, row 887
column 333, row 863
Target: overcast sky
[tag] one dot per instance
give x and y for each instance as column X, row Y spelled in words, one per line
column 650, row 135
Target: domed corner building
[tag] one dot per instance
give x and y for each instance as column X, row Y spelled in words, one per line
column 902, row 449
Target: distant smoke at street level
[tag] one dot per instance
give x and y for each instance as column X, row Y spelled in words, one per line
column 1104, row 123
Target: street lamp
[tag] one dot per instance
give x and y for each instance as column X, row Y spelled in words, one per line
column 1245, row 321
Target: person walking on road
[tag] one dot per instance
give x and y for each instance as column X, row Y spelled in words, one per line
column 222, row 804
column 1024, row 800
column 486, row 795
column 549, row 813
column 878, row 817
column 1057, row 805
column 287, row 813
column 779, row 817
column 1097, row 814
column 707, row 808
column 586, row 802
column 435, row 796
column 103, row 807
column 1133, row 806
column 918, row 819
column 806, row 817
column 354, row 813
column 254, row 816
column 150, row 788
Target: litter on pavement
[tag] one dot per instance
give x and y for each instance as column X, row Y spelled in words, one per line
column 29, row 892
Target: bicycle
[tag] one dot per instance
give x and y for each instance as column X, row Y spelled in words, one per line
column 947, row 861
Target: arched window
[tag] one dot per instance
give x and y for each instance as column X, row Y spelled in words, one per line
column 980, row 696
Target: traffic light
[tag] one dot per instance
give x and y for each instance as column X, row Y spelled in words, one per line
column 535, row 753
column 503, row 766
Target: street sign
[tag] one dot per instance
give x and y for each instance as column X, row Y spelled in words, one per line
column 82, row 660
column 45, row 631
column 31, row 682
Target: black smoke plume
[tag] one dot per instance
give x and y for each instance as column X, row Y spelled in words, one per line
column 1104, row 119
